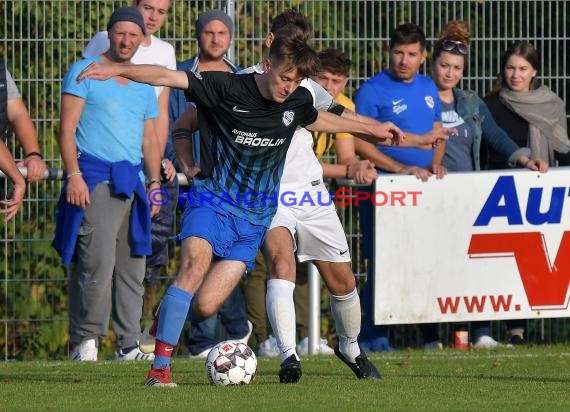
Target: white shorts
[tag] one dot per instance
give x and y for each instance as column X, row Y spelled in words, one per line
column 314, row 225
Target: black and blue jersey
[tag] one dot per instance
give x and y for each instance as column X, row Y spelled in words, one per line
column 248, row 138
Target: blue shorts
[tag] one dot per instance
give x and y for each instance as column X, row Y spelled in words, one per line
column 231, row 237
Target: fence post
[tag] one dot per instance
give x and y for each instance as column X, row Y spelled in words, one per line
column 314, row 311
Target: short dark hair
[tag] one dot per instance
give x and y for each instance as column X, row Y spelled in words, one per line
column 408, row 33
column 334, row 61
column 288, row 48
column 295, row 18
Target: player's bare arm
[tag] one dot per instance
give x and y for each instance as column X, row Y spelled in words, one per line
column 435, row 138
column 142, row 73
column 381, row 133
column 428, row 140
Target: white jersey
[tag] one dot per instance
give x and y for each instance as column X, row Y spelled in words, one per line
column 158, row 52
column 302, row 169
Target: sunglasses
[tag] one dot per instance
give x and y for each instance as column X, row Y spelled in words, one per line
column 449, row 45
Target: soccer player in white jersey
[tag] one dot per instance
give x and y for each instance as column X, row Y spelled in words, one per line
column 314, row 230
column 320, row 236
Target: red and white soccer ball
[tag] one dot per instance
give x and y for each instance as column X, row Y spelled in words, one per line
column 231, row 363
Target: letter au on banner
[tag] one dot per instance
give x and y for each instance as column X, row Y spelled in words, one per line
column 478, row 246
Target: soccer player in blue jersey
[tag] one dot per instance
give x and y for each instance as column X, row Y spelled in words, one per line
column 248, row 122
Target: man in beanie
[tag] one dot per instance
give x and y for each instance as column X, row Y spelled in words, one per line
column 107, row 139
column 153, row 50
column 214, row 32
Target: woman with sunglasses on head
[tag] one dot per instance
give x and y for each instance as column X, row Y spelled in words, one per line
column 533, row 116
column 466, row 112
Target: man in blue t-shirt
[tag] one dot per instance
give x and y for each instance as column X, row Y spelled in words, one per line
column 409, row 100
column 107, row 138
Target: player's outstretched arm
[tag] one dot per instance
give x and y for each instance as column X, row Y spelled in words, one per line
column 427, row 140
column 142, row 73
column 432, row 139
column 376, row 132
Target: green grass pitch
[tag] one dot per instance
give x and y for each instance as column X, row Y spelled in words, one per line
column 518, row 379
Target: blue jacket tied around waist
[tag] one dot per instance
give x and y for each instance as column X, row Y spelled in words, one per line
column 125, row 180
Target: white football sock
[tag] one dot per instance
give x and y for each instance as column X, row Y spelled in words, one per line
column 281, row 314
column 346, row 313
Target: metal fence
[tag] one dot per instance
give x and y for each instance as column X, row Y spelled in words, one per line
column 41, row 38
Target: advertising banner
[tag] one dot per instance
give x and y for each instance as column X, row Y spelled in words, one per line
column 472, row 246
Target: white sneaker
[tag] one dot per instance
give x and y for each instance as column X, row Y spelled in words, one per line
column 434, row 345
column 85, row 351
column 485, row 342
column 322, row 349
column 147, row 342
column 245, row 339
column 268, row 348
column 201, row 355
column 135, row 354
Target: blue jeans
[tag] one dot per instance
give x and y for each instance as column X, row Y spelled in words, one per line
column 229, row 323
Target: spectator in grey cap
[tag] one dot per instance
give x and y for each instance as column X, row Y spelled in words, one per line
column 211, row 15
column 131, row 14
column 103, row 220
column 153, row 50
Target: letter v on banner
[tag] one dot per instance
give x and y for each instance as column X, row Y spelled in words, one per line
column 546, row 286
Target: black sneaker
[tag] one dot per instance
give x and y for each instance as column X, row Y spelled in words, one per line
column 290, row 371
column 362, row 368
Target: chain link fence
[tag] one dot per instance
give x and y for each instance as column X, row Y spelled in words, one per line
column 42, row 38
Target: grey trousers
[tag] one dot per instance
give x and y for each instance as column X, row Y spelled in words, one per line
column 104, row 275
